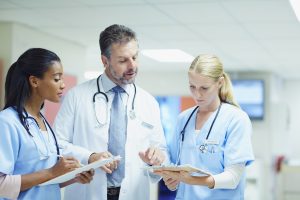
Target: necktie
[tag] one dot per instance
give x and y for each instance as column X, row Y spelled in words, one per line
column 117, row 135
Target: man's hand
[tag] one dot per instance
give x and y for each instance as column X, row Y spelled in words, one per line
column 109, row 167
column 152, row 156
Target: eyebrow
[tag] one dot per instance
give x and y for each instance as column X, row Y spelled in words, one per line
column 137, row 53
column 58, row 73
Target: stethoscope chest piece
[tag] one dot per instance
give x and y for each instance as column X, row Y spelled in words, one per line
column 132, row 114
column 203, row 148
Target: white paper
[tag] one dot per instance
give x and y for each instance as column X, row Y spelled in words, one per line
column 70, row 175
column 186, row 167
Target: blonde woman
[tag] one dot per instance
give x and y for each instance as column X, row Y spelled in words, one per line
column 214, row 136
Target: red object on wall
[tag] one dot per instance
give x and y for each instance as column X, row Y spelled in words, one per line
column 50, row 108
column 278, row 163
column 187, row 102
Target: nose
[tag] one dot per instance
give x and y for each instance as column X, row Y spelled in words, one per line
column 198, row 93
column 62, row 85
column 133, row 63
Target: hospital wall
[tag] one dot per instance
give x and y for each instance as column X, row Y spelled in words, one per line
column 277, row 134
column 16, row 38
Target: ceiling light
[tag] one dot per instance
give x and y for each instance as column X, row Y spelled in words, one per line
column 296, row 7
column 168, row 55
column 91, row 74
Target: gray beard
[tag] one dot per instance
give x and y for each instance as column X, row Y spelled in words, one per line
column 120, row 79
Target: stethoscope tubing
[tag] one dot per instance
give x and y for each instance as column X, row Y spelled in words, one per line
column 51, row 130
column 182, row 133
column 106, row 97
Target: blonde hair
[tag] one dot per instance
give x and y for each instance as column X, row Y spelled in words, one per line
column 210, row 66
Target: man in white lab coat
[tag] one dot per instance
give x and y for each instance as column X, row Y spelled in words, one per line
column 83, row 124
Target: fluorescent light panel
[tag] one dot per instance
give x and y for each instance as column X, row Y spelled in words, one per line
column 168, row 55
column 296, row 7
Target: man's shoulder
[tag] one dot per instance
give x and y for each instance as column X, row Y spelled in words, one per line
column 144, row 93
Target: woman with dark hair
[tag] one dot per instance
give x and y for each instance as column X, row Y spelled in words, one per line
column 29, row 151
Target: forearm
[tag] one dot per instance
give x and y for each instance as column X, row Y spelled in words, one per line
column 10, row 186
column 230, row 178
column 36, row 178
column 201, row 180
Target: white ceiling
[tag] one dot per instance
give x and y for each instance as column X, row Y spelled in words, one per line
column 248, row 35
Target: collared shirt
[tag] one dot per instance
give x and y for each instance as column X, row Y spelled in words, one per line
column 107, row 85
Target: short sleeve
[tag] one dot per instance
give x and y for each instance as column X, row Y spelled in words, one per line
column 9, row 146
column 238, row 145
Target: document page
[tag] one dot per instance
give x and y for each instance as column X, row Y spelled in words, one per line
column 186, row 167
column 70, row 175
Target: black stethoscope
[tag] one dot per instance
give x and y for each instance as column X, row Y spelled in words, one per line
column 103, row 120
column 203, row 147
column 44, row 119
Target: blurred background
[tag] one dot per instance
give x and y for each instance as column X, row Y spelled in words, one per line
column 257, row 40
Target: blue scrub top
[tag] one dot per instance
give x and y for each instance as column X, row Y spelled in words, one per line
column 229, row 143
column 21, row 153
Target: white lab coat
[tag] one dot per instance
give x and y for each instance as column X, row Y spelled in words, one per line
column 80, row 135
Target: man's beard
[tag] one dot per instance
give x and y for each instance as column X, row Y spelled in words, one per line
column 122, row 79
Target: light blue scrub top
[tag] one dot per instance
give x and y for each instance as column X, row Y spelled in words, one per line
column 21, row 153
column 230, row 144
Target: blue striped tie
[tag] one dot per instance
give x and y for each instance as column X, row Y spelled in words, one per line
column 117, row 135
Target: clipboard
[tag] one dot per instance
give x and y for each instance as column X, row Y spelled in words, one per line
column 70, row 175
column 187, row 168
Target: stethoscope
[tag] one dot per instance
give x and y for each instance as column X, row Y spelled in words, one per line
column 51, row 130
column 202, row 147
column 103, row 120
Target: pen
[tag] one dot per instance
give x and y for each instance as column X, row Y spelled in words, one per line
column 61, row 156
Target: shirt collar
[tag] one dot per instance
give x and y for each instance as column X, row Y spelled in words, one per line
column 108, row 84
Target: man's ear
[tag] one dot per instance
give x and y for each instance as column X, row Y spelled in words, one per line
column 33, row 81
column 104, row 60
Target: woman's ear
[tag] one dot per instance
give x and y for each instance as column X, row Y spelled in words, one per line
column 221, row 81
column 33, row 81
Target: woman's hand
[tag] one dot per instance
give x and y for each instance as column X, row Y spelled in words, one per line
column 171, row 178
column 64, row 165
column 84, row 178
column 170, row 182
